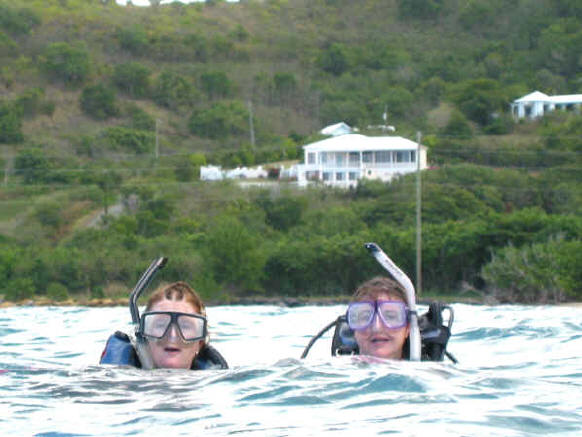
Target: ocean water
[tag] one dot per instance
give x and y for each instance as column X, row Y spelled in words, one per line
column 519, row 374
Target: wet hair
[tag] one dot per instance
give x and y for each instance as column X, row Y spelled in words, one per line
column 177, row 291
column 379, row 285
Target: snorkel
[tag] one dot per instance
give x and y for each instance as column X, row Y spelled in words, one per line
column 406, row 283
column 140, row 342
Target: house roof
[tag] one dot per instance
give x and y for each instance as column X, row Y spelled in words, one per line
column 568, row 98
column 537, row 96
column 357, row 142
column 334, row 129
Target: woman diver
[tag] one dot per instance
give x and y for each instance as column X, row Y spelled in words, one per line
column 381, row 320
column 172, row 333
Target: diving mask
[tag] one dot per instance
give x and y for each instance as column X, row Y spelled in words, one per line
column 156, row 325
column 393, row 313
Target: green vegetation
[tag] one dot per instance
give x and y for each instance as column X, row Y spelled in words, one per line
column 111, row 109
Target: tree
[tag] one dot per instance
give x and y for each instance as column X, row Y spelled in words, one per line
column 98, row 101
column 32, row 165
column 10, row 123
column 222, row 120
column 479, row 99
column 216, row 84
column 132, row 78
column 458, row 126
column 560, row 47
column 67, row 63
column 234, row 254
column 18, row 21
column 334, row 59
column 133, row 39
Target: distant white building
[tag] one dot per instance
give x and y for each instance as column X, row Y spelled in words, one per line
column 334, row 130
column 216, row 173
column 536, row 104
column 342, row 160
column 211, row 173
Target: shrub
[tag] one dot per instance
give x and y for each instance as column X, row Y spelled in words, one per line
column 98, row 101
column 49, row 214
column 18, row 289
column 140, row 119
column 171, row 90
column 122, row 138
column 57, row 291
column 539, row 272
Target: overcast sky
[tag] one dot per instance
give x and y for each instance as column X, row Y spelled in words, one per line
column 146, row 2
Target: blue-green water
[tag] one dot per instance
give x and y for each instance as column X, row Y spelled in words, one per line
column 519, row 374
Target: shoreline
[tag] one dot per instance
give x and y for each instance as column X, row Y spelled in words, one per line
column 282, row 301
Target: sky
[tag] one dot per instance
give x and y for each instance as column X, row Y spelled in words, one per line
column 146, row 2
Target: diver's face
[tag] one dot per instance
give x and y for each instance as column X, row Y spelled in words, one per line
column 379, row 341
column 171, row 352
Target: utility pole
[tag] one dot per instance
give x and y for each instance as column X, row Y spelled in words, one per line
column 251, row 126
column 6, row 171
column 418, row 218
column 157, row 149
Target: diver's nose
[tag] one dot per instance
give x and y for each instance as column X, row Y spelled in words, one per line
column 376, row 323
column 173, row 334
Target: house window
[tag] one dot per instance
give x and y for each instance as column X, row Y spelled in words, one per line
column 352, row 176
column 354, row 158
column 403, row 156
column 326, row 176
column 367, row 157
column 382, row 156
column 311, row 158
column 339, row 176
column 413, row 156
column 339, row 159
column 323, row 157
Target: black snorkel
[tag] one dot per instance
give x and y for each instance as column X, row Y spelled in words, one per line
column 142, row 284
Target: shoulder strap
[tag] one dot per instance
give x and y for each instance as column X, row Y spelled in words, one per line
column 119, row 351
column 209, row 358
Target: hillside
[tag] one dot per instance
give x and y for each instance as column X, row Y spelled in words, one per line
column 102, row 104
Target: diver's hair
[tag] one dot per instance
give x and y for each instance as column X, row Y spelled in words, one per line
column 177, row 291
column 379, row 285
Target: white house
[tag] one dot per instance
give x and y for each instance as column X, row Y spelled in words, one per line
column 536, row 104
column 342, row 160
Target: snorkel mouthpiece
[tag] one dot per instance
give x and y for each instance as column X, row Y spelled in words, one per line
column 140, row 342
column 406, row 283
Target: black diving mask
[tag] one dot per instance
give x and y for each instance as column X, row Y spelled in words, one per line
column 156, row 325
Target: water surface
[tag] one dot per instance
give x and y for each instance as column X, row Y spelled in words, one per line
column 519, row 374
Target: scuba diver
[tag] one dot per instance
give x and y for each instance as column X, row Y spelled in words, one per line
column 381, row 320
column 171, row 333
